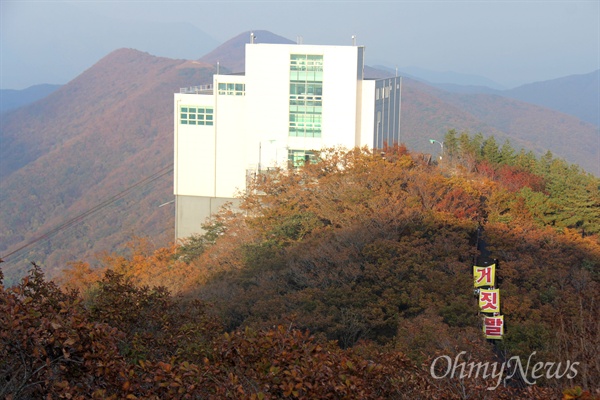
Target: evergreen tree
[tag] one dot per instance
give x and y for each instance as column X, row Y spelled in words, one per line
column 451, row 144
column 507, row 153
column 490, row 151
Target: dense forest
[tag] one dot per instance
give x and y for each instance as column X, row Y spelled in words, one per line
column 350, row 277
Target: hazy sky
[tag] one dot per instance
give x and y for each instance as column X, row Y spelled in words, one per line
column 509, row 42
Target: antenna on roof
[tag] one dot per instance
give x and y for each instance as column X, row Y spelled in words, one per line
column 218, row 67
column 299, row 39
column 252, row 37
column 353, row 40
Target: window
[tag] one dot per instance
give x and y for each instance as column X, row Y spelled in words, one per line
column 305, row 124
column 232, row 89
column 306, row 62
column 306, row 95
column 298, row 158
column 193, row 115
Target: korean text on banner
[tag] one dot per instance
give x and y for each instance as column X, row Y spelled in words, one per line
column 484, row 276
column 493, row 327
column 489, row 300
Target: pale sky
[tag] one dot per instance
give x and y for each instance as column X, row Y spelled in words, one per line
column 508, row 42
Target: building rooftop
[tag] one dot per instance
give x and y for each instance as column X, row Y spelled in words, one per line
column 201, row 89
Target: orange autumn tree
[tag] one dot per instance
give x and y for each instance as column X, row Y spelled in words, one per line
column 138, row 261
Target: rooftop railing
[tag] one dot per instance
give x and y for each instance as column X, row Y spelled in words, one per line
column 201, row 89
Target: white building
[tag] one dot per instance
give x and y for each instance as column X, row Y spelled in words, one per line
column 293, row 98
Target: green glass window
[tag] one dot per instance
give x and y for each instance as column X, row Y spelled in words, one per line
column 306, row 62
column 306, row 95
column 195, row 116
column 298, row 158
column 232, row 89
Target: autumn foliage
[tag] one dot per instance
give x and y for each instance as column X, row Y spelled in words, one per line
column 57, row 348
column 341, row 279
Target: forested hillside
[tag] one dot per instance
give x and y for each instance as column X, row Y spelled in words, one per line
column 98, row 135
column 371, row 250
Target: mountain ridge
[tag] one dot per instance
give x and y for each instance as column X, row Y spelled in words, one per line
column 11, row 99
column 578, row 95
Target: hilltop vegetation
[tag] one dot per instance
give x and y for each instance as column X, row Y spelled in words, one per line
column 341, row 279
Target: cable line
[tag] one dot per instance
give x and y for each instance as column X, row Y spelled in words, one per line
column 93, row 210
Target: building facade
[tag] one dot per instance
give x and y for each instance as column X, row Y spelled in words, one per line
column 291, row 100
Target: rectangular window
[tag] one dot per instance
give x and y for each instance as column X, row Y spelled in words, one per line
column 232, row 89
column 298, row 158
column 196, row 116
column 306, row 95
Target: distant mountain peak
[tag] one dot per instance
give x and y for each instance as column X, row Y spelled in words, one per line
column 231, row 54
column 127, row 54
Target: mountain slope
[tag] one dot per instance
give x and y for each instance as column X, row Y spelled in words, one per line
column 425, row 115
column 529, row 126
column 578, row 95
column 96, row 136
column 12, row 99
column 450, row 77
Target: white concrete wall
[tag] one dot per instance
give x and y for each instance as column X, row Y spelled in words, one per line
column 267, row 96
column 340, row 87
column 194, row 158
column 231, row 142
